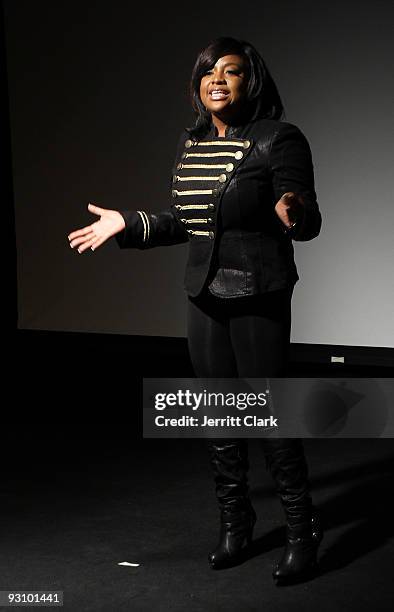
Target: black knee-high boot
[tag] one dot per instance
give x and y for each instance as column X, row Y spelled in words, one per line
column 285, row 460
column 229, row 460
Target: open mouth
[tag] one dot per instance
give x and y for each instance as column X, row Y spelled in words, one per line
column 219, row 94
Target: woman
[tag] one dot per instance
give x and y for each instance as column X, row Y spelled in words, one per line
column 243, row 188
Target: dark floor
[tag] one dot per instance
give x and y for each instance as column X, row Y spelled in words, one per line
column 67, row 524
column 83, row 492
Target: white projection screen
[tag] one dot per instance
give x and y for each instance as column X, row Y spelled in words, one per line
column 98, row 94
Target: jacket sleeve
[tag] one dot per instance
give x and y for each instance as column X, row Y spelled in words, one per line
column 146, row 230
column 292, row 170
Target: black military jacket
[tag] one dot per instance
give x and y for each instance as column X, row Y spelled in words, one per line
column 224, row 190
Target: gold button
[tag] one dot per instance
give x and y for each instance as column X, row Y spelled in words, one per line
column 179, row 167
column 230, row 167
column 184, row 220
column 222, row 178
column 175, row 178
column 209, row 220
column 188, row 144
column 215, row 193
column 211, row 235
column 238, row 155
column 178, row 206
column 246, row 144
column 184, row 155
column 211, row 206
column 174, row 193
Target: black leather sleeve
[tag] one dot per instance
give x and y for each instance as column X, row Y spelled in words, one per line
column 147, row 230
column 291, row 166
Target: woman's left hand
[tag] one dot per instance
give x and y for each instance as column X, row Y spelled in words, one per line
column 289, row 208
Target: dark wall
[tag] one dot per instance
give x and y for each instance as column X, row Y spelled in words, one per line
column 98, row 96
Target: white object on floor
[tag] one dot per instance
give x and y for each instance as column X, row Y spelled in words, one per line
column 130, row 564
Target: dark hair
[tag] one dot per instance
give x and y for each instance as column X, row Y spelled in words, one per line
column 263, row 100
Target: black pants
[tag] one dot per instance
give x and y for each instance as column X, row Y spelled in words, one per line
column 245, row 337
column 239, row 337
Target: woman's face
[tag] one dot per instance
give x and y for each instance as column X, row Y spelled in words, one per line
column 223, row 88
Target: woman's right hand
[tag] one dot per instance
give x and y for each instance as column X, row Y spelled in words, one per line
column 92, row 236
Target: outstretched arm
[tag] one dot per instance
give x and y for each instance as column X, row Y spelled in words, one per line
column 132, row 229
